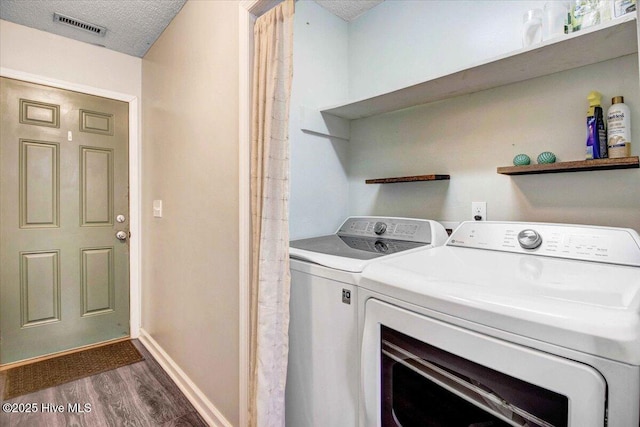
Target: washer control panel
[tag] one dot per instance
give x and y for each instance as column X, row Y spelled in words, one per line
column 409, row 229
column 379, row 227
column 529, row 239
column 581, row 242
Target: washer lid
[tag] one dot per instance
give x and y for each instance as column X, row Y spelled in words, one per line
column 353, row 247
column 346, row 253
column 362, row 239
column 586, row 306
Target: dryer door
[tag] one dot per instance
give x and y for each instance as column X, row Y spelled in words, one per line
column 419, row 371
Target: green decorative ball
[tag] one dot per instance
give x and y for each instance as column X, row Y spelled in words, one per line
column 521, row 160
column 546, row 157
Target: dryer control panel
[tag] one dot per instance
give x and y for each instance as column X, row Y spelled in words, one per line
column 580, row 242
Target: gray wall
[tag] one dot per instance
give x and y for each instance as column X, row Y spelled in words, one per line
column 190, row 161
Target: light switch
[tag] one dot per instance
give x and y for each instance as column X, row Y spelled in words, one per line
column 157, row 208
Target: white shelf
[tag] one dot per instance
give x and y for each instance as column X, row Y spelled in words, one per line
column 611, row 40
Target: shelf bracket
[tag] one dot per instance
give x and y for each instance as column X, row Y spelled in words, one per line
column 314, row 121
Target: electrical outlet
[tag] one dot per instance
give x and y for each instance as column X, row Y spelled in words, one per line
column 479, row 211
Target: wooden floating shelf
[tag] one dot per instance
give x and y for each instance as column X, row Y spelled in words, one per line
column 575, row 166
column 415, row 178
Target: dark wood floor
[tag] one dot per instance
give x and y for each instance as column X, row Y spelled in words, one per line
column 141, row 394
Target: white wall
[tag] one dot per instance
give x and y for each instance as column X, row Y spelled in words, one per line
column 54, row 57
column 319, row 182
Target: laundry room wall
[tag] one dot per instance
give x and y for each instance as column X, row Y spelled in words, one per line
column 402, row 42
column 399, row 43
column 469, row 136
column 319, row 182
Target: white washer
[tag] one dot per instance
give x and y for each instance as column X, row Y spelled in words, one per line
column 323, row 371
column 508, row 324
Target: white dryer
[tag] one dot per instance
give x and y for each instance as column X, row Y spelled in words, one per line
column 508, row 324
column 323, row 370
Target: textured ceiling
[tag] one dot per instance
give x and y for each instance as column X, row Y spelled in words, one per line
column 132, row 25
column 348, row 9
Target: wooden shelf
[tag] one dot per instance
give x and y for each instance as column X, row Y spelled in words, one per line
column 575, row 166
column 611, row 40
column 408, row 179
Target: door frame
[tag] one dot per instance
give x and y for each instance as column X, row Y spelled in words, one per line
column 135, row 247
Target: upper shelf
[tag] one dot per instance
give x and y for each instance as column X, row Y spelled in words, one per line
column 611, row 40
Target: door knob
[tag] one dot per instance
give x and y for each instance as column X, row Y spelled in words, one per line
column 121, row 235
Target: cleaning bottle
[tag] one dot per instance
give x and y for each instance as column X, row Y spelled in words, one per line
column 619, row 126
column 596, row 130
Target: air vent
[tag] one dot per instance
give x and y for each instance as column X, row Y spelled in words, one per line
column 82, row 25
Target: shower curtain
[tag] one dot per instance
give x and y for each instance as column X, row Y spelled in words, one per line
column 272, row 75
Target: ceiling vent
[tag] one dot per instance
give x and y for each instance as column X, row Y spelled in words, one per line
column 77, row 23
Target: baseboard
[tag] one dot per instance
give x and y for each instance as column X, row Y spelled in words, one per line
column 205, row 408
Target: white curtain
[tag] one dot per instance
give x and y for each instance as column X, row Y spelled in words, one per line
column 272, row 75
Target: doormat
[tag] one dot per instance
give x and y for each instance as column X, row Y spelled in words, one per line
column 70, row 367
